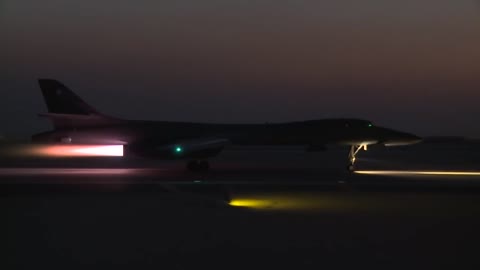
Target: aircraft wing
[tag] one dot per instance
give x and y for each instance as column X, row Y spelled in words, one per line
column 188, row 148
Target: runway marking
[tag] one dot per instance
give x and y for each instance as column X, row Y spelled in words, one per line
column 416, row 173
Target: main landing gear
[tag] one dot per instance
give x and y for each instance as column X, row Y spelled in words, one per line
column 198, row 165
column 354, row 149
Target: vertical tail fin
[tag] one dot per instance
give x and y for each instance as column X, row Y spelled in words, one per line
column 66, row 109
column 61, row 100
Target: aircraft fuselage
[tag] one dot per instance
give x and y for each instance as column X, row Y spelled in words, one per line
column 314, row 132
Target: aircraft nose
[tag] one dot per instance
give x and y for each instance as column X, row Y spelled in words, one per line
column 407, row 136
column 413, row 138
column 401, row 138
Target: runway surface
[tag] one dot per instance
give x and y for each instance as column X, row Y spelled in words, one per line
column 286, row 209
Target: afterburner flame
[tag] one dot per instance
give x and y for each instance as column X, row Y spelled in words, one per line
column 77, row 150
column 107, row 150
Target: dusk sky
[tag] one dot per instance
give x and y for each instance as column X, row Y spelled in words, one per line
column 412, row 65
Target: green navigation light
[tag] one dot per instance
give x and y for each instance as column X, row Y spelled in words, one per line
column 178, row 149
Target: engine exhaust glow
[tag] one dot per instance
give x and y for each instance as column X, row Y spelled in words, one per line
column 108, row 150
column 76, row 150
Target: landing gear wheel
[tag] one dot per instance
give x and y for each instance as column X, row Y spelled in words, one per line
column 351, row 168
column 198, row 165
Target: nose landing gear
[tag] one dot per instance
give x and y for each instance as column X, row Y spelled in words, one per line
column 354, row 150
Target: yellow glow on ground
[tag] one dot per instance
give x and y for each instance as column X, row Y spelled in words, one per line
column 251, row 203
column 289, row 202
column 353, row 202
column 435, row 173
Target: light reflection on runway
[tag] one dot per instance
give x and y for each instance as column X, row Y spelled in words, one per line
column 287, row 201
column 325, row 192
column 374, row 202
column 268, row 175
column 420, row 173
column 74, row 171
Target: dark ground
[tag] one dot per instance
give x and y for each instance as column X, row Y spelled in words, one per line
column 308, row 214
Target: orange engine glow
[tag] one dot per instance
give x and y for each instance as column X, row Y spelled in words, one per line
column 77, row 150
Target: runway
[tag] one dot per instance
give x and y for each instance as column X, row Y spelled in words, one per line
column 285, row 209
